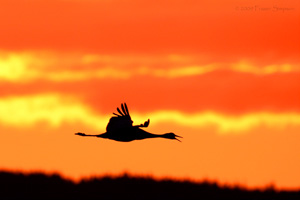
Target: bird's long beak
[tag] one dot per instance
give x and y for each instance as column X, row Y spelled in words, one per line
column 177, row 138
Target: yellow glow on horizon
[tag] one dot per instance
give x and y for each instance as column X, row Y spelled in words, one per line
column 15, row 67
column 56, row 110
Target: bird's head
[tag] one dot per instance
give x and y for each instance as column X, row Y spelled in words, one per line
column 172, row 136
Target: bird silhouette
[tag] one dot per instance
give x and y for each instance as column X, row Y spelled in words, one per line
column 120, row 128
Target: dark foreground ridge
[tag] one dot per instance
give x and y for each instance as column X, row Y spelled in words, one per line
column 41, row 186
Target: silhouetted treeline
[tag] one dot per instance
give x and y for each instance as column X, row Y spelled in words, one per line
column 41, row 186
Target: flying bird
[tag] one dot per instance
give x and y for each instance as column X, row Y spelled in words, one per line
column 120, row 128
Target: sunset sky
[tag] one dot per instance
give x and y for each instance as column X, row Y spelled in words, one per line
column 224, row 75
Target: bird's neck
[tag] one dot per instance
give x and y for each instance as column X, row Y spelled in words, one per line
column 164, row 135
column 158, row 135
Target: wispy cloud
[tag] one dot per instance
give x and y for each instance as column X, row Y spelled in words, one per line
column 265, row 70
column 31, row 66
column 57, row 109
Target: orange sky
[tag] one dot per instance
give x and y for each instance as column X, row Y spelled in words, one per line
column 225, row 76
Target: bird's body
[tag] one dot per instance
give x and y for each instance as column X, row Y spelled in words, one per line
column 120, row 128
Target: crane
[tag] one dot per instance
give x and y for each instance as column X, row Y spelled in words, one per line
column 120, row 128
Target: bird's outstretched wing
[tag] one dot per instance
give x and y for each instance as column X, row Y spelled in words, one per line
column 124, row 109
column 121, row 119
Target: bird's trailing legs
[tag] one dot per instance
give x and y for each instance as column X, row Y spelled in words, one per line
column 83, row 134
